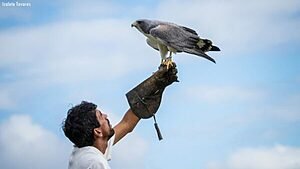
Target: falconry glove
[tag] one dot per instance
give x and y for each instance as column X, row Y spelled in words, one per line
column 144, row 100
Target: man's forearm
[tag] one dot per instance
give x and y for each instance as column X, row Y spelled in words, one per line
column 126, row 125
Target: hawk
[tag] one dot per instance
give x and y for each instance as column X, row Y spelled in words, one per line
column 169, row 37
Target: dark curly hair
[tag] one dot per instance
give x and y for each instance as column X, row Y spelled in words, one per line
column 79, row 124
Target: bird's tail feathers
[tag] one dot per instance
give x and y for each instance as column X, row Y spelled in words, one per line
column 214, row 48
column 199, row 52
column 206, row 45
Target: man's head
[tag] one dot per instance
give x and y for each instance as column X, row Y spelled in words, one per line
column 84, row 124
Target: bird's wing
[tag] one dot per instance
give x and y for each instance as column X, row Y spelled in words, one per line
column 189, row 30
column 174, row 36
column 179, row 38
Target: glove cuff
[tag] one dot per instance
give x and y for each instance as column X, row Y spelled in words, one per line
column 144, row 106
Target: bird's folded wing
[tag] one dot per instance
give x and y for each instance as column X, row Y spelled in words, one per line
column 189, row 30
column 174, row 36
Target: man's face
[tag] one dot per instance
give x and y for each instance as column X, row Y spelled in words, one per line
column 105, row 125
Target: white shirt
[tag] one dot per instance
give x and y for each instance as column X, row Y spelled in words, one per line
column 90, row 157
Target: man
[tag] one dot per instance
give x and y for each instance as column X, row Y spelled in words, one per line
column 91, row 132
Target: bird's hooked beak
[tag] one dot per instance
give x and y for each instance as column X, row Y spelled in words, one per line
column 134, row 24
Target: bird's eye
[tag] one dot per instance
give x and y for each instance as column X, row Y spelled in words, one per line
column 139, row 22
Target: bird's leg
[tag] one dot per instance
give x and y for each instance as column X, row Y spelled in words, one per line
column 162, row 61
column 168, row 61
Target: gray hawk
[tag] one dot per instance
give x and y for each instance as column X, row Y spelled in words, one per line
column 169, row 37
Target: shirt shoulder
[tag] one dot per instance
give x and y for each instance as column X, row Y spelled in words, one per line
column 87, row 158
column 97, row 165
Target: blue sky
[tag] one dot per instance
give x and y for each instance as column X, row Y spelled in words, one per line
column 241, row 113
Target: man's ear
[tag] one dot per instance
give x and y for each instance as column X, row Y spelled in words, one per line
column 97, row 132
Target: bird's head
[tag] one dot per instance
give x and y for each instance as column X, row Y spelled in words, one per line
column 144, row 25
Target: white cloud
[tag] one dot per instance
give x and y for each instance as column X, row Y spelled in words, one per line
column 261, row 101
column 62, row 52
column 27, row 145
column 130, row 152
column 69, row 53
column 217, row 94
column 277, row 157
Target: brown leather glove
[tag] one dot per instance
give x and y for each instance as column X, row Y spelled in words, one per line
column 145, row 99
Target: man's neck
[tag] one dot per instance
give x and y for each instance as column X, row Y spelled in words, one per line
column 100, row 145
